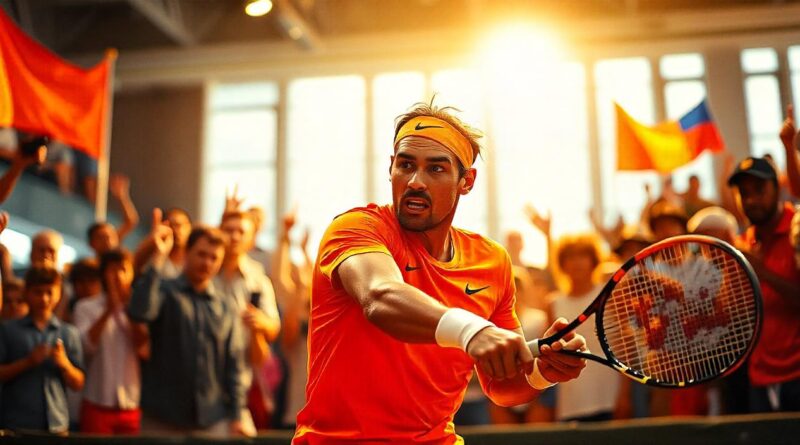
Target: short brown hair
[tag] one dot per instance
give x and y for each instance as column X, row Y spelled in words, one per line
column 42, row 275
column 578, row 244
column 445, row 114
column 85, row 269
column 114, row 256
column 214, row 236
column 12, row 284
column 241, row 214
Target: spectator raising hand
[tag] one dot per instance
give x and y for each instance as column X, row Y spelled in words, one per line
column 3, row 221
column 22, row 160
column 538, row 220
column 120, row 188
column 543, row 224
column 791, row 143
column 233, row 202
column 161, row 236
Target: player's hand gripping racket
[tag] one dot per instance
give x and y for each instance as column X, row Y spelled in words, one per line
column 680, row 312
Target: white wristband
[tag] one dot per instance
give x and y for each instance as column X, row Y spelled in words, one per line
column 457, row 327
column 536, row 379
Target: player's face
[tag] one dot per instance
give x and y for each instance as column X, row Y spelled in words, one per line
column 426, row 184
column 757, row 198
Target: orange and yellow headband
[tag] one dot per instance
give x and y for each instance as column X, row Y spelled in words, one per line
column 440, row 131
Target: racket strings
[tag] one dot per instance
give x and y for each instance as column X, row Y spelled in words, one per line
column 684, row 313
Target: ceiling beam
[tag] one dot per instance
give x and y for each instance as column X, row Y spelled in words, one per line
column 166, row 16
column 296, row 27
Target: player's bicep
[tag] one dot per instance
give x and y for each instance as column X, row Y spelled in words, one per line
column 360, row 275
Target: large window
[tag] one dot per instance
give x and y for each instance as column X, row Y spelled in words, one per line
column 684, row 88
column 762, row 93
column 794, row 66
column 462, row 89
column 540, row 138
column 392, row 94
column 326, row 143
column 339, row 133
column 240, row 149
column 627, row 82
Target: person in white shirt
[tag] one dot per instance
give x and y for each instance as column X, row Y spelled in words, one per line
column 244, row 281
column 110, row 341
column 597, row 395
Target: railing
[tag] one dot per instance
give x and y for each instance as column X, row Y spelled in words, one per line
column 763, row 429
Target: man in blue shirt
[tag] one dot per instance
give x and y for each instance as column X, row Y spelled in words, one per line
column 191, row 382
column 40, row 356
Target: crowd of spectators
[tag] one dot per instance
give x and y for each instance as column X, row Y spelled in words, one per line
column 200, row 331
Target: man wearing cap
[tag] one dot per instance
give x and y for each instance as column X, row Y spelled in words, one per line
column 775, row 363
column 666, row 220
column 404, row 306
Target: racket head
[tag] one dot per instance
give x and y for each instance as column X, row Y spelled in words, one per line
column 681, row 312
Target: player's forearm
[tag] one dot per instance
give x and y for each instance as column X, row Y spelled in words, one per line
column 404, row 312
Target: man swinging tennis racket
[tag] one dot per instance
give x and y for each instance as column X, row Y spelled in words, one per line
column 404, row 306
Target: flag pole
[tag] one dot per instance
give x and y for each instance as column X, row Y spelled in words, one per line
column 103, row 164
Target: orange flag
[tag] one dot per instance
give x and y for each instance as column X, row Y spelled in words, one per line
column 41, row 93
column 668, row 145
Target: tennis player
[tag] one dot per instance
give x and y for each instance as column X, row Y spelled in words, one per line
column 404, row 306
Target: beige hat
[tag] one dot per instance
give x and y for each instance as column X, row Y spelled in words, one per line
column 712, row 218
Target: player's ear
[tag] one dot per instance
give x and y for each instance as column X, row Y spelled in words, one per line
column 391, row 163
column 467, row 181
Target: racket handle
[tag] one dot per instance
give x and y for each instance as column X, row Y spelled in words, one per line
column 534, row 347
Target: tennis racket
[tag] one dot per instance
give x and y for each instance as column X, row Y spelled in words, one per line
column 681, row 312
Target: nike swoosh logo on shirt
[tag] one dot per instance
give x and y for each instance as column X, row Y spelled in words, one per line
column 410, row 268
column 469, row 291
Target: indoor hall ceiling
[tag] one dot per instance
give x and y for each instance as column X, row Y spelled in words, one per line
column 74, row 27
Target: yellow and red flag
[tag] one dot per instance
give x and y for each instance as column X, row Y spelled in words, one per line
column 668, row 145
column 43, row 94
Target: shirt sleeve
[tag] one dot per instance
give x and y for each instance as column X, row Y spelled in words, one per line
column 84, row 320
column 147, row 298
column 352, row 233
column 3, row 348
column 72, row 345
column 505, row 315
column 234, row 366
column 268, row 304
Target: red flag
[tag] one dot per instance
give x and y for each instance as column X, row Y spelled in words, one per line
column 43, row 94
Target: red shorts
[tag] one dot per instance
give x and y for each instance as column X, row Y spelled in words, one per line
column 96, row 419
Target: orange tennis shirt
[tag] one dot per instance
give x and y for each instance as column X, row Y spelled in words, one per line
column 363, row 385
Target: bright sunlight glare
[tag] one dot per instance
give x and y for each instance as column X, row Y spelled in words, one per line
column 519, row 47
